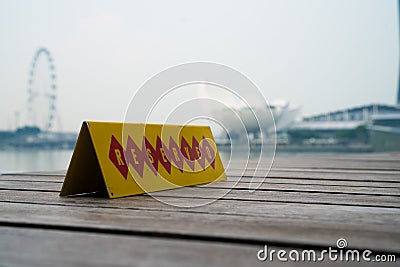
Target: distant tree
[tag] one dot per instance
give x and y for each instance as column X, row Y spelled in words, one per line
column 28, row 130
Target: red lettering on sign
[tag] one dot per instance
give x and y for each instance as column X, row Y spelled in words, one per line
column 117, row 156
column 137, row 157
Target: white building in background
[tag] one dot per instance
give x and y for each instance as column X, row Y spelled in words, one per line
column 252, row 121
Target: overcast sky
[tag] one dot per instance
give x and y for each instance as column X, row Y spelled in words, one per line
column 320, row 54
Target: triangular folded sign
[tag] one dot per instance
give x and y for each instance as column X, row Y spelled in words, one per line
column 121, row 159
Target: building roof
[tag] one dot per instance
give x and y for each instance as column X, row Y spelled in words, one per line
column 379, row 108
column 327, row 125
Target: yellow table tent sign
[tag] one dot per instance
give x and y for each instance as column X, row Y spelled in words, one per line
column 121, row 159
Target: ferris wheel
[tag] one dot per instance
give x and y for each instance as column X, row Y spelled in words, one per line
column 42, row 91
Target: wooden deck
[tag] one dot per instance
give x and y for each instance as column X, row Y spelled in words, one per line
column 305, row 203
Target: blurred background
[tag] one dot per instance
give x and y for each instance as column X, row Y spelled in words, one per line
column 329, row 69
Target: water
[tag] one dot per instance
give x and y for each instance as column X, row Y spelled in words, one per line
column 55, row 160
column 34, row 160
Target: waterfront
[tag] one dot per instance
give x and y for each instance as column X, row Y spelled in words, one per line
column 34, row 160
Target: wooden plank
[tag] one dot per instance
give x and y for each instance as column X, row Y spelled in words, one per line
column 313, row 170
column 265, row 193
column 346, row 181
column 39, row 173
column 337, row 189
column 221, row 206
column 39, row 247
column 31, row 186
column 342, row 161
column 384, row 191
column 259, row 222
column 317, row 181
column 392, row 177
column 36, row 247
column 356, row 157
column 292, row 173
column 288, row 197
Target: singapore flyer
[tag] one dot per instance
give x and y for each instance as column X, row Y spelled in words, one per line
column 42, row 91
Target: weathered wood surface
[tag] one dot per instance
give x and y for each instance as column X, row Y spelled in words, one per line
column 305, row 202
